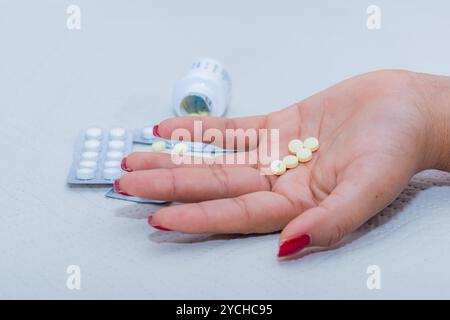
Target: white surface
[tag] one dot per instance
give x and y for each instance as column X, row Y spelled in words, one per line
column 119, row 71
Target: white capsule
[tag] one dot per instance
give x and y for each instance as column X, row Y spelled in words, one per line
column 295, row 145
column 112, row 164
column 85, row 174
column 159, row 146
column 277, row 167
column 117, row 133
column 88, row 164
column 114, row 155
column 89, row 156
column 117, row 145
column 111, row 173
column 92, row 145
column 311, row 144
column 94, row 133
column 147, row 133
column 290, row 161
column 304, row 155
column 180, row 148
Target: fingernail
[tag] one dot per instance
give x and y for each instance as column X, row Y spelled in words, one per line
column 117, row 188
column 155, row 131
column 293, row 245
column 156, row 226
column 123, row 165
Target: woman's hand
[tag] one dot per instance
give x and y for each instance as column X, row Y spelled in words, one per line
column 375, row 131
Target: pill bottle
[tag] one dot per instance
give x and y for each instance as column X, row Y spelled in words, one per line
column 205, row 89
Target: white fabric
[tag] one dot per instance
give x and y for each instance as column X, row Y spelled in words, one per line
column 119, row 69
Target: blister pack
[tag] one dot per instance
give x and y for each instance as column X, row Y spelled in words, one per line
column 145, row 136
column 98, row 155
column 114, row 195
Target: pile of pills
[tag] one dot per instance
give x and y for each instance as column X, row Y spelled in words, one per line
column 301, row 152
column 98, row 155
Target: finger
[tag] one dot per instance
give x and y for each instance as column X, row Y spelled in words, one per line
column 222, row 132
column 360, row 195
column 257, row 212
column 154, row 160
column 192, row 184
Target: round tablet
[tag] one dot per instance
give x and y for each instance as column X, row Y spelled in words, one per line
column 180, row 148
column 94, row 133
column 304, row 155
column 89, row 155
column 290, row 161
column 111, row 173
column 204, row 114
column 147, row 133
column 88, row 164
column 116, row 145
column 277, row 167
column 159, row 146
column 295, row 145
column 311, row 143
column 114, row 155
column 112, row 164
column 85, row 174
column 92, row 145
column 117, row 133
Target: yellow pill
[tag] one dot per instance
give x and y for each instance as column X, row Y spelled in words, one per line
column 159, row 146
column 295, row 145
column 311, row 144
column 277, row 167
column 290, row 161
column 194, row 114
column 204, row 114
column 180, row 148
column 304, row 155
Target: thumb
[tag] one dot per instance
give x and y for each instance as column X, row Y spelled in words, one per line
column 350, row 204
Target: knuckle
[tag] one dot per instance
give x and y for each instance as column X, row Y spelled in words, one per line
column 336, row 235
column 221, row 176
column 247, row 216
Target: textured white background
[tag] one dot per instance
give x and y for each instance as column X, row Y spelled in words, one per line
column 120, row 69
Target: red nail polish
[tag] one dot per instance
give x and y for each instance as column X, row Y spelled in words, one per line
column 117, row 188
column 155, row 131
column 123, row 165
column 157, row 226
column 293, row 245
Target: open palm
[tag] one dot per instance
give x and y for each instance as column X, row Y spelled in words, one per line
column 369, row 131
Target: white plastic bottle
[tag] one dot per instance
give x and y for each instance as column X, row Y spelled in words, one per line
column 204, row 90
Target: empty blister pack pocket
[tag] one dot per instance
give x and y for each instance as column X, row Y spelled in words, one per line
column 98, row 155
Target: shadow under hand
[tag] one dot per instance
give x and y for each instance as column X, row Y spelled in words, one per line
column 138, row 211
column 177, row 237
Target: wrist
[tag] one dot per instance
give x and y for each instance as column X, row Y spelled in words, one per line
column 435, row 106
